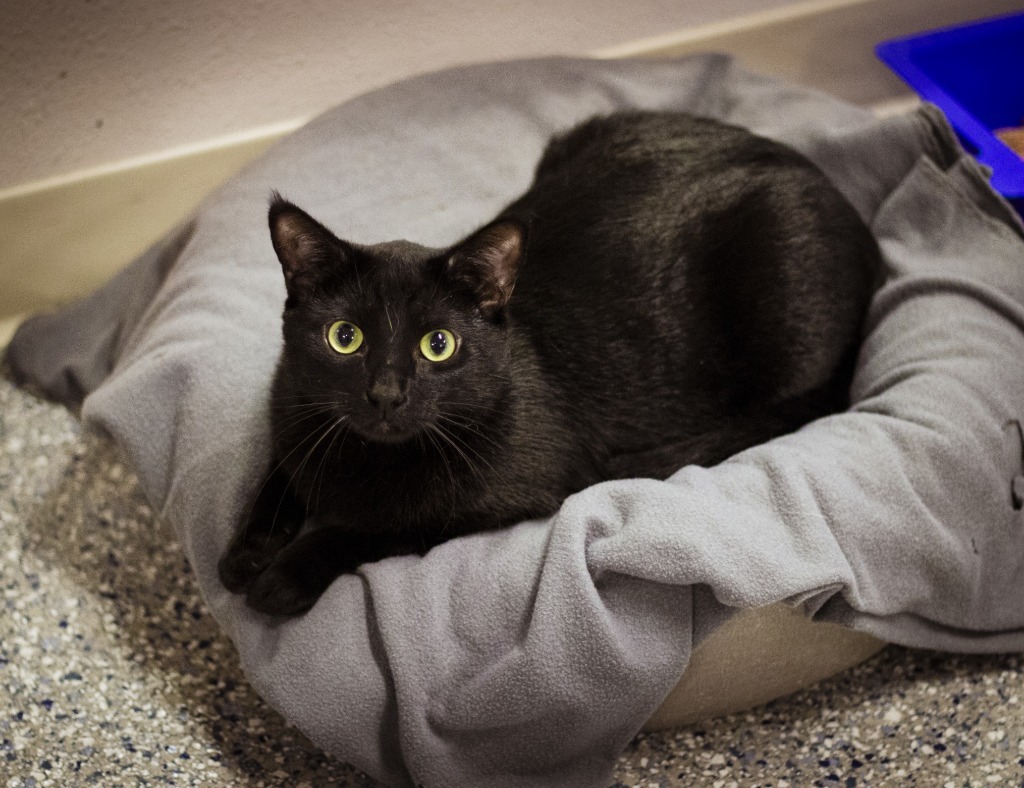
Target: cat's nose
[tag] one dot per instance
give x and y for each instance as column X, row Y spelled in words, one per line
column 386, row 396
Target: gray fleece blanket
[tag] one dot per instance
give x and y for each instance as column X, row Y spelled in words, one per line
column 531, row 656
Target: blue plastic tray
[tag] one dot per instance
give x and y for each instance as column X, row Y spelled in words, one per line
column 975, row 74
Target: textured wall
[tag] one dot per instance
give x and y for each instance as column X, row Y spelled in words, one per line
column 86, row 82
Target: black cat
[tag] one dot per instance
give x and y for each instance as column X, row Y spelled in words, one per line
column 670, row 290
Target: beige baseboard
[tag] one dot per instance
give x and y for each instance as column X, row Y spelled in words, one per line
column 62, row 237
column 8, row 326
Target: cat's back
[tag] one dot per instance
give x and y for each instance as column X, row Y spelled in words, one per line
column 638, row 178
column 672, row 258
column 605, row 143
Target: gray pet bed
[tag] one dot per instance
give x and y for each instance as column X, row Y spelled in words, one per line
column 533, row 655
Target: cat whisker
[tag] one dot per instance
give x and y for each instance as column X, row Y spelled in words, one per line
column 437, row 430
column 440, row 451
column 451, row 478
column 300, row 413
column 297, row 419
column 475, row 429
column 305, row 460
column 307, row 400
column 291, row 409
column 468, row 405
column 462, row 448
column 303, row 395
column 269, row 476
column 476, row 452
column 294, row 416
column 339, row 422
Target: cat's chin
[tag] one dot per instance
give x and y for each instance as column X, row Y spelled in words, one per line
column 386, row 432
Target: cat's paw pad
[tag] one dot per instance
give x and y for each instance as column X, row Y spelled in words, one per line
column 281, row 591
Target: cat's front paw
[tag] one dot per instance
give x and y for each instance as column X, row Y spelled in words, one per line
column 252, row 550
column 241, row 565
column 285, row 588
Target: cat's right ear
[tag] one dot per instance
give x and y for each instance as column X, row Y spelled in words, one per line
column 309, row 253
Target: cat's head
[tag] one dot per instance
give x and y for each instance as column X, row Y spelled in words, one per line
column 397, row 339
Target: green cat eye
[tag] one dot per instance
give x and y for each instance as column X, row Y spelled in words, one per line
column 438, row 345
column 344, row 337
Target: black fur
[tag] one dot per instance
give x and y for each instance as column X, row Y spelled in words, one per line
column 670, row 290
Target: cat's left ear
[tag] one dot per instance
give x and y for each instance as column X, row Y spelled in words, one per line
column 488, row 263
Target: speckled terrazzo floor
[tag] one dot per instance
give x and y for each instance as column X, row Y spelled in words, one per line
column 112, row 673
